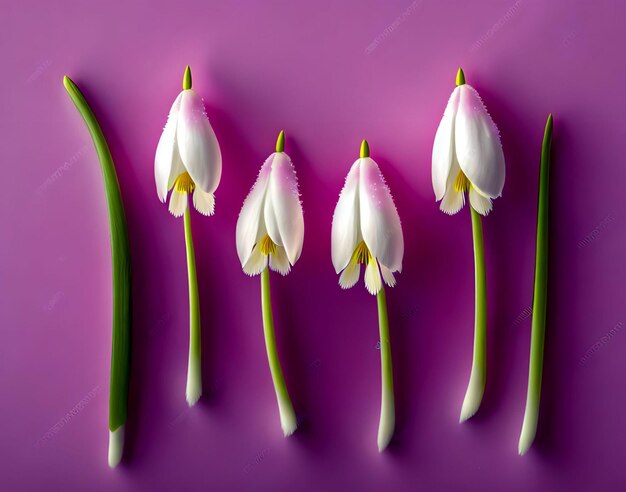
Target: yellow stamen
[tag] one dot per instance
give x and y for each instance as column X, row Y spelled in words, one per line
column 461, row 183
column 184, row 183
column 361, row 254
column 267, row 246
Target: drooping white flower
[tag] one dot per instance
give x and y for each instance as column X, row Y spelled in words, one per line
column 467, row 153
column 270, row 231
column 270, row 228
column 366, row 228
column 188, row 158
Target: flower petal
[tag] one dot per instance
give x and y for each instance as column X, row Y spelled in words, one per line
column 197, row 144
column 350, row 276
column 250, row 220
column 345, row 229
column 204, row 202
column 373, row 283
column 388, row 277
column 257, row 262
column 478, row 148
column 279, row 261
column 283, row 210
column 178, row 203
column 443, row 147
column 453, row 200
column 380, row 223
column 480, row 203
column 167, row 163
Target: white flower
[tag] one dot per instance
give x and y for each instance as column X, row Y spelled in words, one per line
column 366, row 228
column 270, row 227
column 188, row 157
column 467, row 154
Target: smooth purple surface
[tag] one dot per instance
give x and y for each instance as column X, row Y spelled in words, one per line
column 329, row 73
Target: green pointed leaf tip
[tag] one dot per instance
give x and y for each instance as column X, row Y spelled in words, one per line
column 460, row 77
column 365, row 149
column 187, row 79
column 280, row 142
column 68, row 83
column 548, row 130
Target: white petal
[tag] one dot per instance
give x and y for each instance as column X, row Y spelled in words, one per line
column 279, row 261
column 178, row 203
column 257, row 262
column 250, row 220
column 452, row 202
column 346, row 229
column 350, row 276
column 443, row 147
column 478, row 147
column 167, row 162
column 283, row 210
column 373, row 283
column 480, row 203
column 197, row 144
column 388, row 277
column 204, row 202
column 380, row 223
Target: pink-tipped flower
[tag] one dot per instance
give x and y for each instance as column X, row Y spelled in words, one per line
column 366, row 231
column 270, row 232
column 467, row 154
column 366, row 228
column 270, row 228
column 188, row 157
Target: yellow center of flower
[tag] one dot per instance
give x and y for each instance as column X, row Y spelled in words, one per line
column 461, row 183
column 267, row 246
column 184, row 183
column 361, row 254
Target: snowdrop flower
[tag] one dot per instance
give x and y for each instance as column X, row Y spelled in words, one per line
column 366, row 228
column 467, row 154
column 188, row 160
column 366, row 231
column 270, row 229
column 468, row 157
column 270, row 232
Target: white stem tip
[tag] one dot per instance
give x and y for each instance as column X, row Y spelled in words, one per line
column 385, row 431
column 193, row 391
column 473, row 397
column 529, row 431
column 116, row 446
column 288, row 420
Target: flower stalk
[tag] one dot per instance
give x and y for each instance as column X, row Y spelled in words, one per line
column 387, row 421
column 120, row 253
column 538, row 330
column 288, row 420
column 194, row 367
column 478, row 376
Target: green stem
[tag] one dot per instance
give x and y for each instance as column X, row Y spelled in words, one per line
column 387, row 408
column 478, row 376
column 120, row 253
column 535, row 371
column 287, row 415
column 194, row 369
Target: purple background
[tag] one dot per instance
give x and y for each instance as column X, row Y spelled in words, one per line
column 330, row 75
